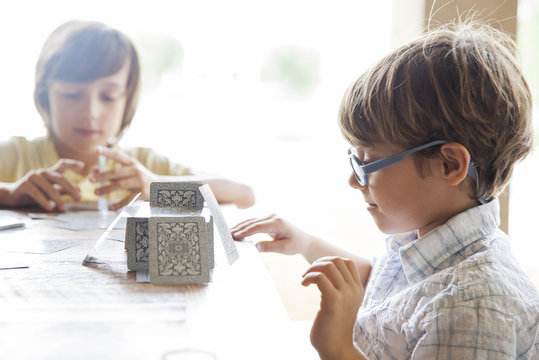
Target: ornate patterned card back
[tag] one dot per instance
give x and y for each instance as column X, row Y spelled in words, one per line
column 182, row 196
column 138, row 244
column 179, row 250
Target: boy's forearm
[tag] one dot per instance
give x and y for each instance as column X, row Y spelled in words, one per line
column 231, row 192
column 4, row 194
column 317, row 248
column 225, row 191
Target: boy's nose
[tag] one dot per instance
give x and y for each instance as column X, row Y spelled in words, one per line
column 92, row 107
column 352, row 181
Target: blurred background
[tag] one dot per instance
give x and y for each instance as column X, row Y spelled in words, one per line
column 250, row 90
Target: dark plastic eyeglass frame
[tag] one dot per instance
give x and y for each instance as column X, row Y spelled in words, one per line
column 361, row 171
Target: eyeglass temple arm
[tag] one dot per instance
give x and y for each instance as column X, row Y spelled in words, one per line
column 380, row 164
column 472, row 172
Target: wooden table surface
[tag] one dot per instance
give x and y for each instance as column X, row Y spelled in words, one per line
column 59, row 309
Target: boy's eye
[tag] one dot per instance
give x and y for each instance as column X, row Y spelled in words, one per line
column 111, row 97
column 359, row 161
column 361, row 157
column 108, row 98
column 363, row 162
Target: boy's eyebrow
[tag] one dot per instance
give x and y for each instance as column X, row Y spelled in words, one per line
column 110, row 83
column 114, row 84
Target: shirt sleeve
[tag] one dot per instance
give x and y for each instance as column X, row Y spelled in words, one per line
column 8, row 161
column 19, row 155
column 467, row 331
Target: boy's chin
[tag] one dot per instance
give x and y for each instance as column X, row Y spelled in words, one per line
column 389, row 228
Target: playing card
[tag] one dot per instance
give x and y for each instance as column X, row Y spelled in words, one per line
column 183, row 196
column 179, row 250
column 211, row 247
column 139, row 209
column 224, row 232
column 90, row 257
column 137, row 243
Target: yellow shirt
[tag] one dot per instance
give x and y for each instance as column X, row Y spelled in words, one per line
column 19, row 155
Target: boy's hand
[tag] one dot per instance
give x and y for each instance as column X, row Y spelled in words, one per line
column 131, row 175
column 342, row 294
column 45, row 187
column 287, row 239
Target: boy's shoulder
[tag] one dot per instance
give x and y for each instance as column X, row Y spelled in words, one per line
column 446, row 295
column 494, row 276
column 483, row 297
column 22, row 141
column 483, row 303
column 484, row 272
column 155, row 162
column 137, row 151
column 488, row 289
column 482, row 276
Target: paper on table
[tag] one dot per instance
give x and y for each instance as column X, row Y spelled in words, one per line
column 85, row 220
column 11, row 266
column 80, row 217
column 36, row 246
column 10, row 223
column 10, row 219
column 224, row 232
column 9, row 262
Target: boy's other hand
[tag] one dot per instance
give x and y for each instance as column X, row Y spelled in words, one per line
column 131, row 175
column 286, row 238
column 342, row 293
column 44, row 187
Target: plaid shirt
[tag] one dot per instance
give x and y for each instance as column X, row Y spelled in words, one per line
column 456, row 293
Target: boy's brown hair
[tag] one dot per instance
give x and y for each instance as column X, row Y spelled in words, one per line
column 81, row 51
column 460, row 83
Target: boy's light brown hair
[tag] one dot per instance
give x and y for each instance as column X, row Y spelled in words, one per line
column 460, row 83
column 81, row 51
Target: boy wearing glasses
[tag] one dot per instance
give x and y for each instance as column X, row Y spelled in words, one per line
column 435, row 129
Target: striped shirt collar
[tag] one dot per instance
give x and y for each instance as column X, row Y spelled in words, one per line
column 423, row 257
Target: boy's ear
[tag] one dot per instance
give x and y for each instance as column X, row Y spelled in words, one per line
column 455, row 160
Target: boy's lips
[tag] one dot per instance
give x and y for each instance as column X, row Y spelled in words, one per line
column 87, row 132
column 370, row 205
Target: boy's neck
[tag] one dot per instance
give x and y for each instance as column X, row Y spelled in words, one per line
column 450, row 210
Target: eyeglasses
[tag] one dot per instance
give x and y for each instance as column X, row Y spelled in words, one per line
column 361, row 171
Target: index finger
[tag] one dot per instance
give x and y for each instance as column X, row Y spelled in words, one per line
column 268, row 225
column 323, row 283
column 117, row 156
column 248, row 222
column 63, row 164
column 346, row 267
column 66, row 185
column 332, row 271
